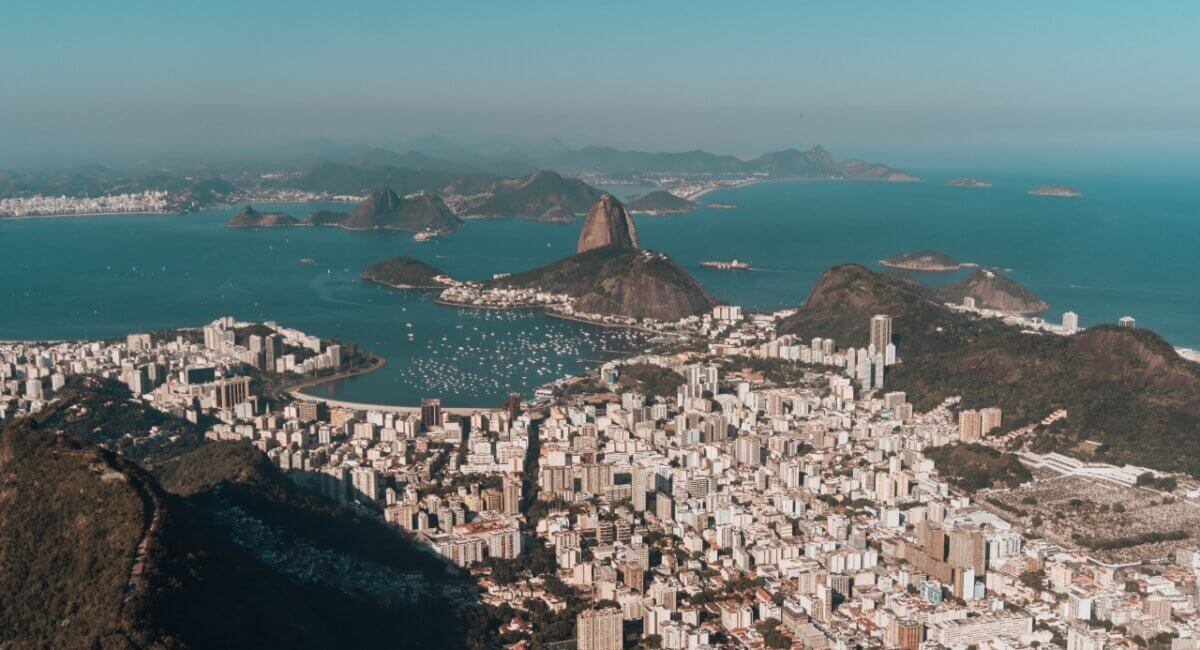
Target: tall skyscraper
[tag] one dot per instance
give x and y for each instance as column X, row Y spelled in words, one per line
column 1070, row 322
column 598, row 629
column 512, row 496
column 881, row 331
column 639, row 487
column 431, row 412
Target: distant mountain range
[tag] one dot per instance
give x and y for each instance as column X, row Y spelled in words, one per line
column 490, row 178
column 375, row 164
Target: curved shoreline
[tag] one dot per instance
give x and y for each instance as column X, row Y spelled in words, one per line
column 386, row 408
column 555, row 314
column 404, row 287
column 295, row 389
column 464, row 305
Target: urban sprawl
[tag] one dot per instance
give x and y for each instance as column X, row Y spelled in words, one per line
column 731, row 509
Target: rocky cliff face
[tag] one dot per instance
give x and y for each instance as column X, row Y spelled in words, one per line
column 607, row 224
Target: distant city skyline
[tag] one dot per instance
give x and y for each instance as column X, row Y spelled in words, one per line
column 141, row 78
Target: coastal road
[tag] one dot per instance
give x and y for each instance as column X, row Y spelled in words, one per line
column 385, row 408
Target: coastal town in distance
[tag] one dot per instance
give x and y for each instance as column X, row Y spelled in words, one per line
column 556, row 326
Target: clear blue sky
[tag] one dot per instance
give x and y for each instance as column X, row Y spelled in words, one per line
column 736, row 76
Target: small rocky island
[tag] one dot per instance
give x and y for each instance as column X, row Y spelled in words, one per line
column 248, row 217
column 968, row 182
column 993, row 291
column 660, row 202
column 1056, row 190
column 406, row 273
column 923, row 260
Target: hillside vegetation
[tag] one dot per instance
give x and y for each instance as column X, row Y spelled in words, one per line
column 1125, row 388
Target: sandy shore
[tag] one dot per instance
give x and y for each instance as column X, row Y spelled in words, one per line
column 735, row 186
column 386, row 408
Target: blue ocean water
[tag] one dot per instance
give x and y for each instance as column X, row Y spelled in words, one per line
column 1125, row 247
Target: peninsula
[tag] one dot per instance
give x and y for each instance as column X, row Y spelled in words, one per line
column 406, row 272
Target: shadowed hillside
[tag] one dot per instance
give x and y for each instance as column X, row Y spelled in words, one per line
column 96, row 552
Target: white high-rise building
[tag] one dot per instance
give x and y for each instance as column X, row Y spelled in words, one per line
column 1070, row 322
column 881, row 331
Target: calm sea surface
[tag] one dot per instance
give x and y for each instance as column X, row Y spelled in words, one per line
column 1123, row 248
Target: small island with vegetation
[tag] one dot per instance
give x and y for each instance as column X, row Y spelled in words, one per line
column 248, row 217
column 924, row 260
column 406, row 273
column 1056, row 190
column 660, row 202
column 968, row 182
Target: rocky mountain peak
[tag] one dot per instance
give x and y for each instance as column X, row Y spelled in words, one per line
column 607, row 224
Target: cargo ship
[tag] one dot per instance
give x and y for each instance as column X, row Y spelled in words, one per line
column 731, row 265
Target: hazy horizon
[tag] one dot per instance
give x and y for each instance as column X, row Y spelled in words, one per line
column 909, row 83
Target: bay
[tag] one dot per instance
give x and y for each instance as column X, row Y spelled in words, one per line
column 1128, row 246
